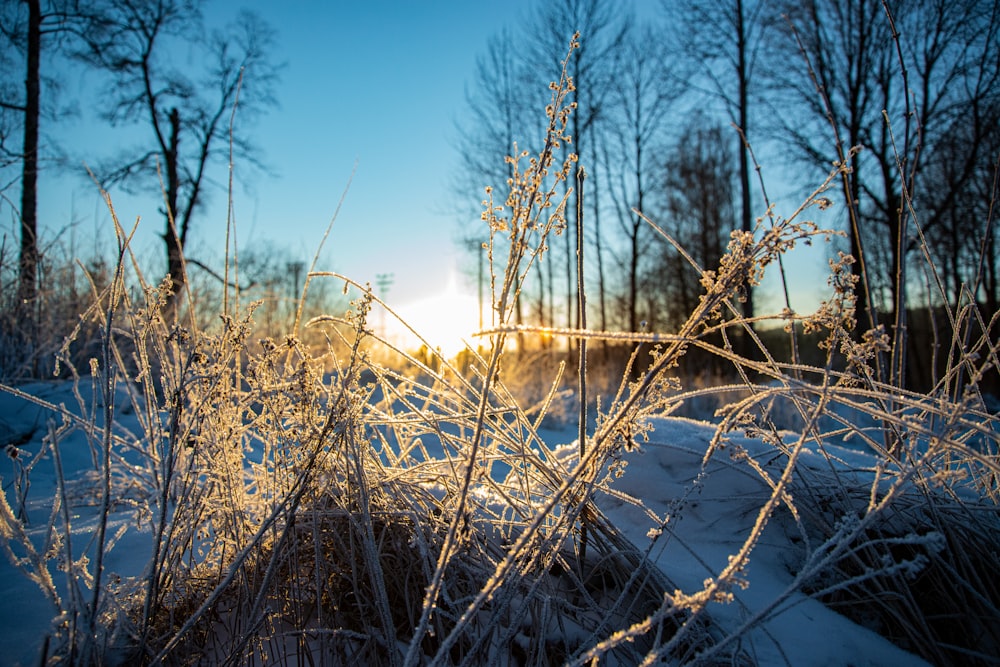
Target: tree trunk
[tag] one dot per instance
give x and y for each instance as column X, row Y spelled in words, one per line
column 175, row 249
column 992, row 301
column 746, row 215
column 897, row 229
column 598, row 250
column 28, row 265
column 866, row 309
column 633, row 284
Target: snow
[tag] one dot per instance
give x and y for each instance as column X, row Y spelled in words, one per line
column 711, row 514
column 712, row 524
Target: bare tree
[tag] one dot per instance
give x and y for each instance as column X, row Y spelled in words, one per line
column 959, row 168
column 699, row 205
column 960, row 238
column 28, row 26
column 722, row 41
column 501, row 114
column 895, row 80
column 187, row 111
column 602, row 28
column 641, row 97
column 833, row 55
column 30, row 108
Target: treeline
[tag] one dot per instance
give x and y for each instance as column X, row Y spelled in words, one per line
column 673, row 104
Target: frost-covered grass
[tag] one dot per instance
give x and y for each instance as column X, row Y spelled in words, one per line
column 201, row 495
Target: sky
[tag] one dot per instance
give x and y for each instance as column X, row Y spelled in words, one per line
column 372, row 89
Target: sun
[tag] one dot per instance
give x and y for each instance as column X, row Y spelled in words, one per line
column 446, row 320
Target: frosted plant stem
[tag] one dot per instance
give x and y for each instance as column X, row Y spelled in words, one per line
column 581, row 306
column 285, row 508
column 371, row 554
column 115, row 296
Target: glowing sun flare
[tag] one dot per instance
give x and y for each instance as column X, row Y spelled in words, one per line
column 443, row 320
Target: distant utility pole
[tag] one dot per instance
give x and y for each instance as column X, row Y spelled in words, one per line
column 295, row 268
column 384, row 282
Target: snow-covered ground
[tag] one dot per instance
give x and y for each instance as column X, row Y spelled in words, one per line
column 710, row 523
column 25, row 613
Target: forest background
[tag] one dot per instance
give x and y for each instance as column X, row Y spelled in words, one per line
column 676, row 103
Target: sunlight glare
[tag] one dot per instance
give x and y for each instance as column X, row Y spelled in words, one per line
column 444, row 320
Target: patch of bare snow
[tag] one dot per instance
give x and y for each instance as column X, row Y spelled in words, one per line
column 716, row 515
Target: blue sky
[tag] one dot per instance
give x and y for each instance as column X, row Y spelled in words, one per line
column 379, row 83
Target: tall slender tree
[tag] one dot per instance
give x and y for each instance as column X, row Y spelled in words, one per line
column 700, row 192
column 28, row 265
column 827, row 64
column 28, row 27
column 187, row 112
column 641, row 97
column 501, row 114
column 602, row 28
column 722, row 40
